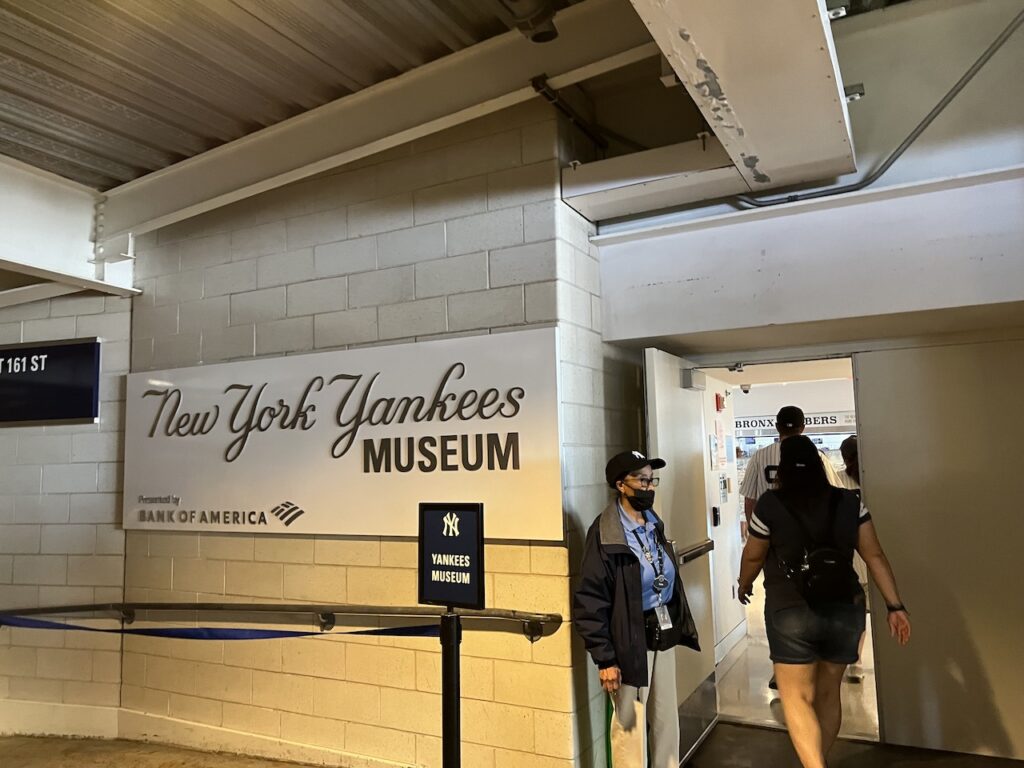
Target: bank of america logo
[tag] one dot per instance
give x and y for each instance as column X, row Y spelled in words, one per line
column 287, row 512
column 451, row 524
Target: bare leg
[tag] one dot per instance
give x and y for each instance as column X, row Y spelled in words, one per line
column 797, row 685
column 828, row 705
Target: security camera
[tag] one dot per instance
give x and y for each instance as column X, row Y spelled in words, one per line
column 745, row 389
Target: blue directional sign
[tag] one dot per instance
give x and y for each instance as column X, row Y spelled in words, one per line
column 56, row 382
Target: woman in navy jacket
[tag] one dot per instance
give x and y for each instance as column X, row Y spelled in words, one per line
column 630, row 609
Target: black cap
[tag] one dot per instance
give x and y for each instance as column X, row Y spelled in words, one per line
column 789, row 417
column 626, row 463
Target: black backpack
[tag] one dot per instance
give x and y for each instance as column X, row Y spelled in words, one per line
column 824, row 574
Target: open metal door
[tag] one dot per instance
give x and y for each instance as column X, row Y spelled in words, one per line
column 939, row 441
column 675, row 433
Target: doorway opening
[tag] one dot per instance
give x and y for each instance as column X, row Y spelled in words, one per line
column 740, row 409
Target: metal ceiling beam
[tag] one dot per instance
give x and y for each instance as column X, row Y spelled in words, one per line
column 36, row 292
column 73, row 282
column 594, row 37
column 766, row 78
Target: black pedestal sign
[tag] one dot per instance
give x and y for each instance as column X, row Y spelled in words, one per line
column 451, row 573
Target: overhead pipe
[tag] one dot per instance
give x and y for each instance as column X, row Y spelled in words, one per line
column 872, row 177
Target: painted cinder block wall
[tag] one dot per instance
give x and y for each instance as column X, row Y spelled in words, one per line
column 456, row 234
column 61, row 541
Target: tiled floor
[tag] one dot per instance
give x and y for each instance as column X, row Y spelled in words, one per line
column 744, row 696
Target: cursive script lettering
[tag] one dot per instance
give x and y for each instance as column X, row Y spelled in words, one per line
column 175, row 424
column 249, row 416
column 356, row 408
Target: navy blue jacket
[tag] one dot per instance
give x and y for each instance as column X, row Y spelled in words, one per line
column 608, row 601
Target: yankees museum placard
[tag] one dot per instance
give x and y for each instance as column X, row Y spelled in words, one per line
column 350, row 442
column 451, row 555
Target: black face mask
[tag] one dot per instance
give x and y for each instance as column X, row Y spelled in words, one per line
column 642, row 500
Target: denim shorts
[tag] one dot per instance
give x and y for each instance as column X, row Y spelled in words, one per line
column 803, row 635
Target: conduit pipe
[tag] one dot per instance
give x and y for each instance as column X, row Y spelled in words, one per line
column 872, row 177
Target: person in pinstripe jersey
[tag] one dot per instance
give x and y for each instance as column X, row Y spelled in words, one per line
column 764, row 464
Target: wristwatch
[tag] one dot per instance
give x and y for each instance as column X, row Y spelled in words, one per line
column 897, row 607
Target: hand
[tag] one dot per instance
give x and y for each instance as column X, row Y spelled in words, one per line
column 744, row 592
column 899, row 626
column 611, row 678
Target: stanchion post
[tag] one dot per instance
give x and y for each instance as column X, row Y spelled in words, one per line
column 451, row 710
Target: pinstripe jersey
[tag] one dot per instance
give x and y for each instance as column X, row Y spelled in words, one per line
column 764, row 465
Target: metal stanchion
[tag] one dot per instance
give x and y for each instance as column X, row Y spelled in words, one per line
column 451, row 711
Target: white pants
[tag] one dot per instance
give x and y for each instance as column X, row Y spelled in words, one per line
column 629, row 733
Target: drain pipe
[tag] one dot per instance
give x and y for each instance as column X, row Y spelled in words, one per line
column 872, row 177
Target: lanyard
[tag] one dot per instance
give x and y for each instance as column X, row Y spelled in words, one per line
column 660, row 582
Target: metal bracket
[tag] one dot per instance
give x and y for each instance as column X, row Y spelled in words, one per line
column 327, row 621
column 534, row 630
column 128, row 615
column 837, row 9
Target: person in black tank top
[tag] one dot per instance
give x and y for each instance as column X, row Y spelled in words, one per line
column 804, row 534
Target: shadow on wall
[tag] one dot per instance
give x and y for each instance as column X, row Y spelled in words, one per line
column 944, row 674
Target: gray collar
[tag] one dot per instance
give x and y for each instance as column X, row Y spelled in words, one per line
column 612, row 532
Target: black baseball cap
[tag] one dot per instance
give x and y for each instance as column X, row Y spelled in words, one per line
column 627, row 462
column 789, row 417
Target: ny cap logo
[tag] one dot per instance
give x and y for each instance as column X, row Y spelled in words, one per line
column 451, row 524
column 639, row 455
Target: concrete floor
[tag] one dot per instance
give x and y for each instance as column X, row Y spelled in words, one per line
column 729, row 746
column 736, row 746
column 49, row 752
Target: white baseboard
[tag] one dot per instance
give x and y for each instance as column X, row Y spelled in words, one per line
column 138, row 726
column 38, row 718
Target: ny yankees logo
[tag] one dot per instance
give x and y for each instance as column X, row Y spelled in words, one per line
column 451, row 524
column 639, row 455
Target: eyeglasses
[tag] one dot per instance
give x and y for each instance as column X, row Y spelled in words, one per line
column 646, row 482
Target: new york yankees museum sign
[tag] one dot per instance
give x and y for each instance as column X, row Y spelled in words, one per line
column 350, row 442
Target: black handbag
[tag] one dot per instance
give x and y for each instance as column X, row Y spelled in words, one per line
column 659, row 639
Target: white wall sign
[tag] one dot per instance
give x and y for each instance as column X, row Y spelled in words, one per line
column 350, row 442
column 836, row 421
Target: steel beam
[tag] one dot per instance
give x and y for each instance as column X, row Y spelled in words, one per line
column 35, row 292
column 766, row 78
column 73, row 282
column 594, row 36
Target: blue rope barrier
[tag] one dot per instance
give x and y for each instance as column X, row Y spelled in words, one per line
column 217, row 633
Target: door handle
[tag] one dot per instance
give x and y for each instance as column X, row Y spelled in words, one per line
column 697, row 550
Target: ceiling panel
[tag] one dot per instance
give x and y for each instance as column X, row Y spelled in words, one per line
column 104, row 91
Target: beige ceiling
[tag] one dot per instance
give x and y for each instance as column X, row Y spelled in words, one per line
column 104, row 91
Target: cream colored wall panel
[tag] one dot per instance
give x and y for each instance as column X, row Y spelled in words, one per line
column 940, row 488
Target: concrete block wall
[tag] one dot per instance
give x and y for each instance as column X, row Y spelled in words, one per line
column 459, row 233
column 60, row 508
column 602, row 400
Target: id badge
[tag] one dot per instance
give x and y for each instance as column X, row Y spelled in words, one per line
column 664, row 620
